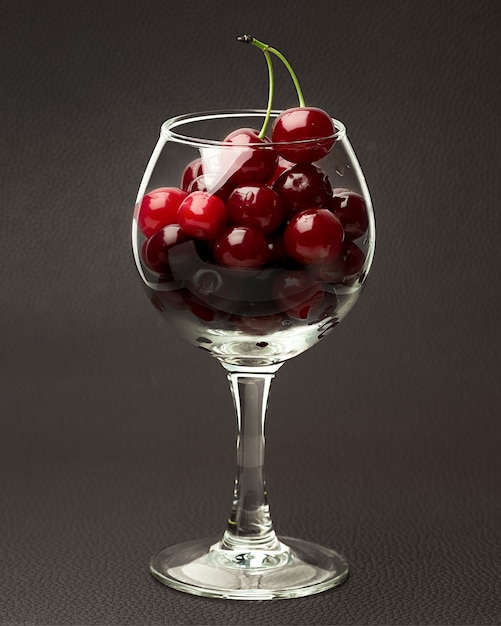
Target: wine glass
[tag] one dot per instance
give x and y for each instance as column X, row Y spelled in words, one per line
column 254, row 257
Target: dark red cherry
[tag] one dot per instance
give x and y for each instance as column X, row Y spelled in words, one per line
column 193, row 170
column 242, row 247
column 203, row 183
column 282, row 165
column 247, row 159
column 198, row 184
column 298, row 293
column 156, row 249
column 300, row 124
column 351, row 210
column 255, row 205
column 202, row 215
column 344, row 270
column 302, row 187
column 159, row 208
column 314, row 236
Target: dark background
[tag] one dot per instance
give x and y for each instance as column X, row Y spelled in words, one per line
column 117, row 439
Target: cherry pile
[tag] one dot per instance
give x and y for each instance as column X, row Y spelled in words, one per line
column 271, row 213
column 270, row 234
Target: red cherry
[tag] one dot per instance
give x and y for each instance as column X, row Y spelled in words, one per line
column 302, row 187
column 314, row 236
column 201, row 183
column 301, row 124
column 298, row 293
column 346, row 269
column 282, row 165
column 198, row 184
column 248, row 160
column 193, row 170
column 241, row 246
column 202, row 215
column 159, row 208
column 351, row 210
column 156, row 249
column 255, row 205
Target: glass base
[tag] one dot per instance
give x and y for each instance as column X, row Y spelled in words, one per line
column 204, row 568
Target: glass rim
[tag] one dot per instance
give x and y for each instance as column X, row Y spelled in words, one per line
column 168, row 133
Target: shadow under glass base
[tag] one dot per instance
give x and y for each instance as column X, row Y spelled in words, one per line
column 298, row 568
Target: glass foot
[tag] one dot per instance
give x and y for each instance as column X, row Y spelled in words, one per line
column 297, row 568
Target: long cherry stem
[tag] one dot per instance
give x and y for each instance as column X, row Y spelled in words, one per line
column 271, row 89
column 266, row 48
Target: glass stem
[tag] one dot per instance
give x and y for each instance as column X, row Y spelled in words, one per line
column 249, row 525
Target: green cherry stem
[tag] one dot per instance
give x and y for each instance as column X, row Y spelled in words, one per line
column 271, row 83
column 266, row 48
column 271, row 89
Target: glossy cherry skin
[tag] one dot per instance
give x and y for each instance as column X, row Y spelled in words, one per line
column 241, row 247
column 298, row 293
column 351, row 210
column 281, row 166
column 255, row 205
column 202, row 215
column 247, row 160
column 300, row 124
column 193, row 170
column 302, row 187
column 156, row 249
column 201, row 183
column 344, row 270
column 314, row 236
column 159, row 208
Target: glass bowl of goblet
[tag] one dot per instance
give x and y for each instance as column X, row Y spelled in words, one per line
column 253, row 251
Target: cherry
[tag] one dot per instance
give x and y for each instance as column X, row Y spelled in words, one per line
column 159, row 208
column 193, row 170
column 314, row 236
column 248, row 159
column 198, row 184
column 202, row 215
column 309, row 130
column 282, row 165
column 201, row 183
column 302, row 187
column 255, row 205
column 156, row 249
column 298, row 293
column 351, row 210
column 241, row 246
column 300, row 124
column 344, row 270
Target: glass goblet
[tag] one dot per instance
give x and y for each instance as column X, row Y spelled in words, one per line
column 253, row 257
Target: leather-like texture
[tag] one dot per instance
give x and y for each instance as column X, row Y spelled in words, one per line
column 117, row 439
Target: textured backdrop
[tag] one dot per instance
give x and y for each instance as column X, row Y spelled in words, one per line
column 117, row 439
